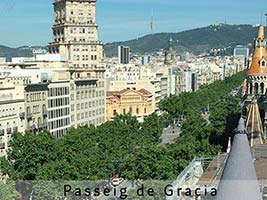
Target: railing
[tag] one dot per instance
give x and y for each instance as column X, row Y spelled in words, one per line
column 2, row 145
column 22, row 115
column 8, row 115
column 8, row 130
column 189, row 172
column 29, row 116
column 45, row 113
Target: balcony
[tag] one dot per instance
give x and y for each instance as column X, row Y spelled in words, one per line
column 29, row 116
column 8, row 144
column 2, row 132
column 2, row 145
column 45, row 113
column 22, row 115
column 42, row 125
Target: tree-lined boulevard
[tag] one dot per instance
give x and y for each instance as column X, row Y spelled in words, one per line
column 130, row 149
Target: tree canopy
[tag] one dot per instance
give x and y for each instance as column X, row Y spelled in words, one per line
column 129, row 148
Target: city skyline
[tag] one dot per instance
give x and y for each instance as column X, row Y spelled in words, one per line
column 33, row 19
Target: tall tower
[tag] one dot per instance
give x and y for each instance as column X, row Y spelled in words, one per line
column 123, row 55
column 170, row 53
column 75, row 33
column 75, row 36
column 256, row 92
column 257, row 72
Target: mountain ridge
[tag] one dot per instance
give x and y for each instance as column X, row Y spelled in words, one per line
column 197, row 41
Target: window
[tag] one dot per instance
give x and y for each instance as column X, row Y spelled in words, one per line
column 263, row 63
column 114, row 112
column 137, row 111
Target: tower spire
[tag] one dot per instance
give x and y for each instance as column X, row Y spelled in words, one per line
column 239, row 180
column 259, row 64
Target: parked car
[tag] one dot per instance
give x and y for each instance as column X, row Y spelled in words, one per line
column 115, row 181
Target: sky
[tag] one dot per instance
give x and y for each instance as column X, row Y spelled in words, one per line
column 29, row 22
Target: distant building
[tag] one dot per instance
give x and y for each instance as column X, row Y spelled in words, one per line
column 145, row 60
column 22, row 59
column 37, row 51
column 123, row 55
column 2, row 60
column 170, row 54
column 138, row 103
column 190, row 81
column 241, row 50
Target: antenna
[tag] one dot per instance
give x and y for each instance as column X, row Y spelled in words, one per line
column 152, row 21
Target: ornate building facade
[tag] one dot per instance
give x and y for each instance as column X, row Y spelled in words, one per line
column 170, row 54
column 76, row 37
column 255, row 107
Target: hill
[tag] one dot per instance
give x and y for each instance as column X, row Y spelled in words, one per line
column 197, row 41
column 9, row 52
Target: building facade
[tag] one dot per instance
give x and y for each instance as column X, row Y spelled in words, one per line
column 76, row 37
column 12, row 115
column 138, row 103
column 123, row 55
column 36, row 107
column 59, row 108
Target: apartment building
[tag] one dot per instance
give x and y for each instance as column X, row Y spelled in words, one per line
column 36, row 107
column 90, row 106
column 12, row 115
column 75, row 35
column 138, row 103
column 58, row 108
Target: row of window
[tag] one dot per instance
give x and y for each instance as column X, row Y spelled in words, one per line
column 35, row 109
column 59, row 133
column 9, row 112
column 58, row 91
column 59, row 113
column 81, row 12
column 52, row 103
column 59, row 123
column 89, row 30
column 84, row 57
column 36, row 96
column 89, row 94
column 96, row 121
column 84, row 48
column 90, row 104
column 85, row 115
column 130, row 111
column 92, row 66
column 8, row 131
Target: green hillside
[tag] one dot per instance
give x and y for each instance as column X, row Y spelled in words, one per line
column 197, row 41
column 14, row 52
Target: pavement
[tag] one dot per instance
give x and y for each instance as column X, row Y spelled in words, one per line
column 169, row 134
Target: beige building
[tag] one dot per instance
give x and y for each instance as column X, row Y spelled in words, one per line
column 76, row 37
column 12, row 115
column 59, row 108
column 151, row 86
column 138, row 103
column 36, row 107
